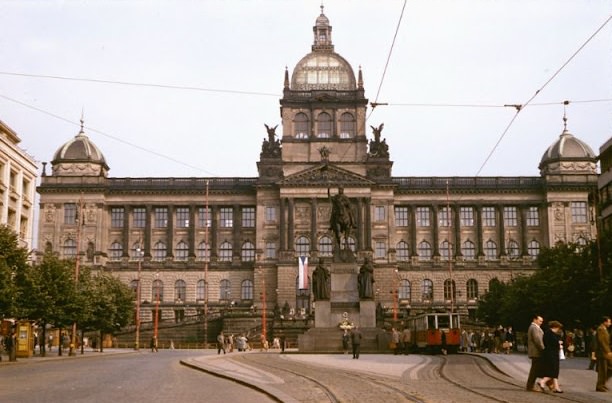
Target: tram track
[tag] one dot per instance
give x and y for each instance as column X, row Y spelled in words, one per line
column 488, row 382
column 336, row 386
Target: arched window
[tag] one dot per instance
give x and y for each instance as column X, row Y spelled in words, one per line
column 116, row 251
column 180, row 290
column 203, row 252
column 324, row 125
column 469, row 250
column 90, row 251
column 225, row 292
column 427, row 290
column 157, row 291
column 445, row 250
column 70, row 249
column 472, row 289
column 48, row 247
column 347, row 125
column 201, row 290
column 401, row 250
column 159, row 251
column 325, row 246
column 182, row 251
column 490, row 250
column 533, row 248
column 581, row 242
column 424, row 250
column 513, row 249
column 137, row 252
column 351, row 243
column 302, row 246
column 404, row 290
column 302, row 127
column 248, row 252
column 246, row 290
column 225, row 252
column 450, row 291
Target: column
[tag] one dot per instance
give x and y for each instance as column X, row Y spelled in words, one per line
column 456, row 215
column 236, row 231
column 413, row 230
column 170, row 232
column 290, row 225
column 147, row 231
column 191, row 232
column 282, row 225
column 434, row 225
column 367, row 239
column 523, row 230
column 479, row 231
column 125, row 230
column 214, row 228
column 313, row 223
column 502, row 231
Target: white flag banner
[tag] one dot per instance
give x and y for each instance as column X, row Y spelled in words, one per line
column 303, row 272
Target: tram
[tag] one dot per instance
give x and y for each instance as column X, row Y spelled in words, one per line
column 435, row 333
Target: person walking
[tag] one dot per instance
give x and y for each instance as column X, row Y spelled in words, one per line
column 535, row 347
column 356, row 342
column 220, row 343
column 407, row 339
column 395, row 341
column 550, row 357
column 153, row 344
column 603, row 354
column 591, row 347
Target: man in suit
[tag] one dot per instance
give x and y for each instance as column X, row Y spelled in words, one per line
column 535, row 346
column 603, row 354
column 356, row 342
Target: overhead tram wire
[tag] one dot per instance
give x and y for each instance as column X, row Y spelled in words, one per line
column 382, row 79
column 520, row 107
column 110, row 136
column 136, row 84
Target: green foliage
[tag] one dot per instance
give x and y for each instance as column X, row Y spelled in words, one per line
column 571, row 286
column 111, row 304
column 13, row 266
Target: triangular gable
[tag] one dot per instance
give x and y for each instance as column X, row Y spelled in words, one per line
column 326, row 175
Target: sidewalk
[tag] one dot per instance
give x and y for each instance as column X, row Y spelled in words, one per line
column 53, row 355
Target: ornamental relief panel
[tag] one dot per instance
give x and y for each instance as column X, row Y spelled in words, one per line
column 302, row 213
column 49, row 213
column 323, row 213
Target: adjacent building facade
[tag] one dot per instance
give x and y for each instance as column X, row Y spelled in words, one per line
column 18, row 173
column 435, row 242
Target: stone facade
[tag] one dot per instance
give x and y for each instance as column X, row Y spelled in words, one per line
column 18, row 173
column 424, row 234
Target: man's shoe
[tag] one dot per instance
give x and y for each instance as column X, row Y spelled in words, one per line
column 601, row 389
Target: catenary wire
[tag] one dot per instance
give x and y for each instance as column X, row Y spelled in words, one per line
column 91, row 129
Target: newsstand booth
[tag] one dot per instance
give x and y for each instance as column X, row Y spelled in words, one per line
column 25, row 339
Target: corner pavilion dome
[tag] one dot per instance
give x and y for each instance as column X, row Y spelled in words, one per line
column 79, row 155
column 323, row 69
column 568, row 152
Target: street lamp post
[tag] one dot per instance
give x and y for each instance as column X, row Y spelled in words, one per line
column 139, row 254
column 395, row 295
column 79, row 221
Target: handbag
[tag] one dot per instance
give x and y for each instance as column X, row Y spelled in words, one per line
column 392, row 345
column 561, row 354
column 507, row 344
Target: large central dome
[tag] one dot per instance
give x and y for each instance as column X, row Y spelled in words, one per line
column 323, row 69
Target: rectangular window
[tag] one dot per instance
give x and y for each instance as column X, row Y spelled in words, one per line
column 380, row 250
column 422, row 217
column 139, row 217
column 226, row 217
column 204, row 217
column 466, row 215
column 379, row 213
column 510, row 217
column 444, row 217
column 270, row 250
column 533, row 217
column 579, row 212
column 248, row 217
column 70, row 213
column 270, row 214
column 161, row 217
column 117, row 217
column 488, row 216
column 182, row 217
column 401, row 216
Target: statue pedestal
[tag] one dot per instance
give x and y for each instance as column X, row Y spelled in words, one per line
column 323, row 314
column 367, row 313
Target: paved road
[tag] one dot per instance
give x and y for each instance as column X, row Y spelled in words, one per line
column 112, row 377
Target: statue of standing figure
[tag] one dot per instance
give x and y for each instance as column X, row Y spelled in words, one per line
column 365, row 279
column 320, row 282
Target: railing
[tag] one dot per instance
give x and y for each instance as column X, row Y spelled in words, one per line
column 488, row 183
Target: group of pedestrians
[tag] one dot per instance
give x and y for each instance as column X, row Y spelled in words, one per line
column 545, row 349
column 494, row 340
column 227, row 343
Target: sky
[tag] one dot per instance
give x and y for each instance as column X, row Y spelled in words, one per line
column 183, row 88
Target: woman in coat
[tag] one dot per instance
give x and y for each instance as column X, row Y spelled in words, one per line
column 550, row 357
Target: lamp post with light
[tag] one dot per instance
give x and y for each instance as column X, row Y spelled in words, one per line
column 156, row 318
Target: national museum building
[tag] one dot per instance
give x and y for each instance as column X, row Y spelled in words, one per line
column 435, row 242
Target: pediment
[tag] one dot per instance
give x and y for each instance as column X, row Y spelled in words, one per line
column 326, row 175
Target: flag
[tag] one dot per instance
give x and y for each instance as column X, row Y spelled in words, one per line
column 303, row 272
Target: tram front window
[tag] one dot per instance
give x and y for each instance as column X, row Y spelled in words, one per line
column 443, row 322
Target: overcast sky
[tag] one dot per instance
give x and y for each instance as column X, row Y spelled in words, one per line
column 233, row 55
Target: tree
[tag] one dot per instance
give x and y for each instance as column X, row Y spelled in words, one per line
column 13, row 265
